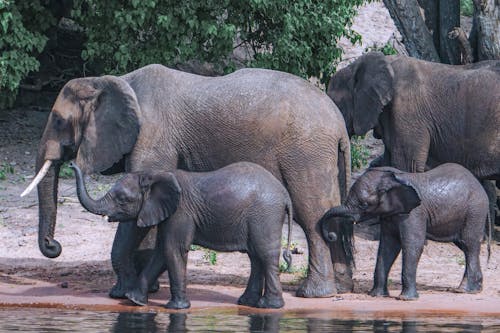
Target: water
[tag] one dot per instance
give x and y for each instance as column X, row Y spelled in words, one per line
column 44, row 320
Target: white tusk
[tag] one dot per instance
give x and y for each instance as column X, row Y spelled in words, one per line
column 106, row 218
column 43, row 171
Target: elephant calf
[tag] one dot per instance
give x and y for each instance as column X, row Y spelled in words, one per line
column 240, row 207
column 445, row 204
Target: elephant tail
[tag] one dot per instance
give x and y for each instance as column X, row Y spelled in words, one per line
column 346, row 230
column 344, row 167
column 490, row 231
column 287, row 254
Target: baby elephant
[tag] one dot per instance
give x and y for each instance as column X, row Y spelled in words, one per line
column 445, row 204
column 240, row 207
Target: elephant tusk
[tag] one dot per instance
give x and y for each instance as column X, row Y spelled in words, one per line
column 43, row 171
column 105, row 218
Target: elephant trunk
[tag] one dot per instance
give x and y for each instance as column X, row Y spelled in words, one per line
column 98, row 207
column 342, row 212
column 47, row 208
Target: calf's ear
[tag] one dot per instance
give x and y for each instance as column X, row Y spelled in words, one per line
column 401, row 197
column 161, row 199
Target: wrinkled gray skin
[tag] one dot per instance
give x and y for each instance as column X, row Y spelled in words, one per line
column 156, row 118
column 424, row 112
column 240, row 207
column 446, row 204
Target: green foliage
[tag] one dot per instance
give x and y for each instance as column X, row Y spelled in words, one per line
column 386, row 49
column 5, row 169
column 65, row 171
column 210, row 256
column 299, row 37
column 194, row 247
column 22, row 24
column 466, row 7
column 359, row 153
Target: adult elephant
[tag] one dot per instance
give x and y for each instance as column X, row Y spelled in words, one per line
column 158, row 118
column 424, row 112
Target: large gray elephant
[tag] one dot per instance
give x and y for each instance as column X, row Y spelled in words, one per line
column 424, row 112
column 156, row 118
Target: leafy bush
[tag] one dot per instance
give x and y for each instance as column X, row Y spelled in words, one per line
column 359, row 153
column 66, row 172
column 386, row 49
column 23, row 25
column 299, row 37
column 466, row 7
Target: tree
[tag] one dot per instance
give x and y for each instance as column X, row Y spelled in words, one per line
column 436, row 35
column 299, row 37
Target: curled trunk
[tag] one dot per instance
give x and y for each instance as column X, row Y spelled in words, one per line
column 339, row 211
column 94, row 206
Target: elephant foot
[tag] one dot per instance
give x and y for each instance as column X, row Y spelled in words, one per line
column 379, row 292
column 468, row 289
column 316, row 288
column 137, row 297
column 408, row 296
column 117, row 292
column 275, row 302
column 249, row 299
column 154, row 287
column 178, row 304
column 343, row 278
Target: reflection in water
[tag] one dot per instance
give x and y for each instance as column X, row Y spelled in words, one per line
column 135, row 322
column 265, row 322
column 38, row 320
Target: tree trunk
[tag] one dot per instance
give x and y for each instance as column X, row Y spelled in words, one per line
column 410, row 23
column 485, row 35
column 449, row 19
column 431, row 16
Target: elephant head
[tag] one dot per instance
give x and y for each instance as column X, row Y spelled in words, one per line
column 379, row 192
column 147, row 198
column 362, row 90
column 96, row 121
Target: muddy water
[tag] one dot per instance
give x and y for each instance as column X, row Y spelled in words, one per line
column 43, row 320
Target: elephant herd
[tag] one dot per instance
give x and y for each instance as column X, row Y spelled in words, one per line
column 208, row 159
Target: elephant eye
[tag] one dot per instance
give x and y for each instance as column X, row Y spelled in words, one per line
column 363, row 205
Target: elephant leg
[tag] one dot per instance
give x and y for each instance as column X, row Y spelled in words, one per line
column 412, row 233
column 320, row 280
column 255, row 285
column 178, row 236
column 150, row 274
column 176, row 262
column 273, row 294
column 388, row 250
column 309, row 204
column 472, row 281
column 127, row 239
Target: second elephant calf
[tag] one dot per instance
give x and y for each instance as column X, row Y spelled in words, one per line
column 445, row 204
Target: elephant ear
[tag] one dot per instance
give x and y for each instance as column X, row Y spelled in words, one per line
column 372, row 90
column 161, row 200
column 111, row 124
column 398, row 195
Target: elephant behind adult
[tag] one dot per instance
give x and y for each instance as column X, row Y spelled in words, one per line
column 424, row 112
column 156, row 118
